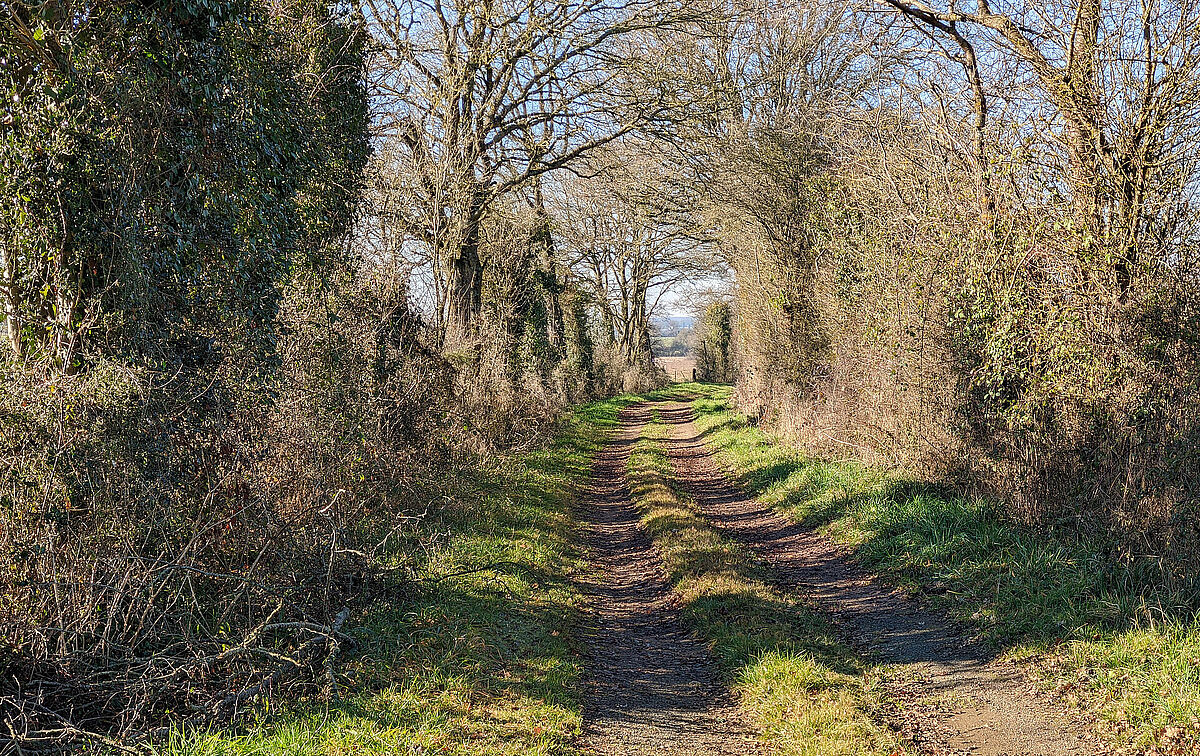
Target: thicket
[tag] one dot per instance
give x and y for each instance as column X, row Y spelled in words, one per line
column 177, row 179
column 713, row 343
column 965, row 241
column 224, row 398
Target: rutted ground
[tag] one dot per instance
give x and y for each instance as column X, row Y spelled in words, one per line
column 963, row 701
column 657, row 690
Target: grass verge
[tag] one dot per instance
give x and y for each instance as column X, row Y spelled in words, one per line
column 807, row 692
column 1102, row 634
column 476, row 663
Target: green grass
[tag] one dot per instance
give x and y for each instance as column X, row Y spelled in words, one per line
column 481, row 664
column 489, row 663
column 1106, row 635
column 807, row 692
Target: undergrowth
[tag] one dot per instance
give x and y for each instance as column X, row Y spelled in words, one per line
column 1102, row 631
column 480, row 655
column 808, row 693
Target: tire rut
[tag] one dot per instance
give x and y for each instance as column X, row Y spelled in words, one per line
column 653, row 688
column 962, row 700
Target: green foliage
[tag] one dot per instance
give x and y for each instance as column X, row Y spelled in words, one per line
column 579, row 366
column 669, row 346
column 175, row 410
column 997, row 349
column 170, row 165
column 714, row 341
column 532, row 355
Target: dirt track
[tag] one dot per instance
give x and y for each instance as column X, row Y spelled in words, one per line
column 655, row 690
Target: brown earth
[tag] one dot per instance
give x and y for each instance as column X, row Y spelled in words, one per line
column 654, row 688
column 952, row 696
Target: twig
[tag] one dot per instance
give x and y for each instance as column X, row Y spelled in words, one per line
column 462, row 573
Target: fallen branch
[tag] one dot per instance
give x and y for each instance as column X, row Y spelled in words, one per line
column 306, row 652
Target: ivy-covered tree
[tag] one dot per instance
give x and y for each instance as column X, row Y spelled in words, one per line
column 167, row 166
column 177, row 180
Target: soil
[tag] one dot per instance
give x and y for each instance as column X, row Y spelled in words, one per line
column 953, row 696
column 654, row 688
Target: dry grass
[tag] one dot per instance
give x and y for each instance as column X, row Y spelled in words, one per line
column 678, row 369
column 484, row 662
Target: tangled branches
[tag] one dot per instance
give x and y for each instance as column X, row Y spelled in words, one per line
column 212, row 686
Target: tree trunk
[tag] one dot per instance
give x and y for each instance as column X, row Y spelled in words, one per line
column 464, row 299
column 987, row 198
column 1132, row 202
column 637, row 328
column 1082, row 109
column 554, row 311
column 608, row 321
column 12, row 302
column 552, row 287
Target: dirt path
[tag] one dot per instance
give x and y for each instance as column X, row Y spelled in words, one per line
column 654, row 689
column 960, row 701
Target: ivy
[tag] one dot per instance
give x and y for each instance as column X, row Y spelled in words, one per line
column 173, row 165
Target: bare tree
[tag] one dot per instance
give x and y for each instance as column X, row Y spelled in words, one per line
column 773, row 87
column 968, row 59
column 1121, row 80
column 621, row 237
column 477, row 98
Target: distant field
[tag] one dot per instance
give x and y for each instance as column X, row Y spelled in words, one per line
column 678, row 368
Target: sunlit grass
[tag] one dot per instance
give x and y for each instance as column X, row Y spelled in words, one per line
column 488, row 663
column 1102, row 634
column 808, row 693
column 482, row 664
